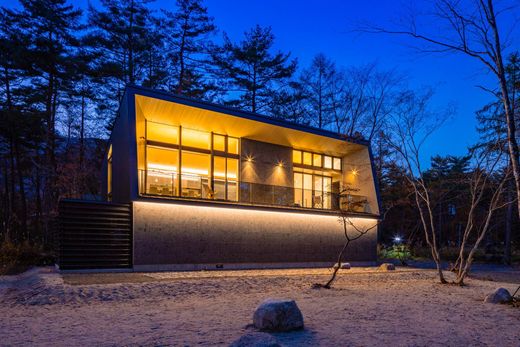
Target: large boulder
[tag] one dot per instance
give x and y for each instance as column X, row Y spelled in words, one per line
column 256, row 339
column 278, row 315
column 499, row 296
column 387, row 267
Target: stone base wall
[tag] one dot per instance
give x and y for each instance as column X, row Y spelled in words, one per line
column 174, row 233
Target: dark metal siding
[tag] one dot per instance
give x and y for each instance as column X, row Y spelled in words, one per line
column 94, row 235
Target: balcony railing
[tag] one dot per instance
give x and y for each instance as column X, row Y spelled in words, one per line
column 166, row 184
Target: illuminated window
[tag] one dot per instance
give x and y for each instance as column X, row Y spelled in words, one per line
column 298, row 189
column 327, row 162
column 196, row 139
column 232, row 145
column 162, row 169
column 219, row 143
column 307, row 158
column 232, row 179
column 195, row 175
column 162, row 133
column 316, row 160
column 297, row 157
column 312, row 190
column 219, row 177
column 337, row 164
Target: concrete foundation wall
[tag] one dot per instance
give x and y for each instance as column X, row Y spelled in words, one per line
column 178, row 233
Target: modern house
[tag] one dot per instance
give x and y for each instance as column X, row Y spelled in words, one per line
column 214, row 187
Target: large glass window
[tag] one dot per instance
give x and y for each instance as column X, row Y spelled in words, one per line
column 195, row 175
column 232, row 179
column 162, row 133
column 219, row 177
column 162, row 171
column 196, row 139
column 179, row 162
column 312, row 190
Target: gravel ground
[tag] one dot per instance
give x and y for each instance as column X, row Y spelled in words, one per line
column 406, row 307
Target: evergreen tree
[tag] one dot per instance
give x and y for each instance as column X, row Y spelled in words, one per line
column 52, row 27
column 316, row 82
column 123, row 39
column 250, row 70
column 187, row 34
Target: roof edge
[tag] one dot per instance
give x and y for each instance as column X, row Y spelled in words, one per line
column 167, row 96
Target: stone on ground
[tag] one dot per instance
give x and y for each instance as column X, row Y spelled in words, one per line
column 387, row 267
column 278, row 315
column 499, row 296
column 256, row 339
column 345, row 266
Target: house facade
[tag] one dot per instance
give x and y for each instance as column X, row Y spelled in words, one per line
column 214, row 187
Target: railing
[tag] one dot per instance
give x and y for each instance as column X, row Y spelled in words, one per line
column 166, row 184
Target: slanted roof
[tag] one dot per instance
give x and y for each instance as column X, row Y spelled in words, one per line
column 163, row 107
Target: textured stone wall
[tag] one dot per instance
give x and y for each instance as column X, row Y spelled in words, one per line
column 180, row 233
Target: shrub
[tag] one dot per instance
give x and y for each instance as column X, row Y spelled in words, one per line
column 16, row 258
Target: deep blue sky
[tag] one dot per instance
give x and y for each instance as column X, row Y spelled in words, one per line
column 308, row 27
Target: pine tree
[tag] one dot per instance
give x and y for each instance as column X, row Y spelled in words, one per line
column 250, row 70
column 316, row 82
column 187, row 34
column 123, row 39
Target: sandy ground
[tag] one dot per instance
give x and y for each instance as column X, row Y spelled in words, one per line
column 366, row 308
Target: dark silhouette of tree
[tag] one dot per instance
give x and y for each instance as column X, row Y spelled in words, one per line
column 250, row 70
column 188, row 44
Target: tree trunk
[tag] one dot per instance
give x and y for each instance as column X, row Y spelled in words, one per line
column 510, row 119
column 508, row 226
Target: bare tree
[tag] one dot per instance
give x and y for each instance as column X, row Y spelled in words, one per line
column 482, row 179
column 411, row 125
column 361, row 99
column 471, row 27
column 351, row 231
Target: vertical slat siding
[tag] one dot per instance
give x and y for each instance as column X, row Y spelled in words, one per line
column 94, row 235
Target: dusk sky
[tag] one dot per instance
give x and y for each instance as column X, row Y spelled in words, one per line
column 308, row 27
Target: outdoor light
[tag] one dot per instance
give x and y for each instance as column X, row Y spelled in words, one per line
column 354, row 172
column 249, row 159
column 280, row 164
column 398, row 239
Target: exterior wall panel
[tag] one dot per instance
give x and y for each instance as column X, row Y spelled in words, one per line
column 176, row 233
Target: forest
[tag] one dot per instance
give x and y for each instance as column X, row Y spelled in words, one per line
column 63, row 71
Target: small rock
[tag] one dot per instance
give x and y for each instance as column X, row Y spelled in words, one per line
column 278, row 315
column 345, row 266
column 499, row 296
column 386, row 267
column 256, row 340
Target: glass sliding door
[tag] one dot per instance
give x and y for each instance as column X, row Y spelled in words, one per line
column 312, row 190
column 219, row 178
column 298, row 191
column 307, row 190
column 318, row 192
